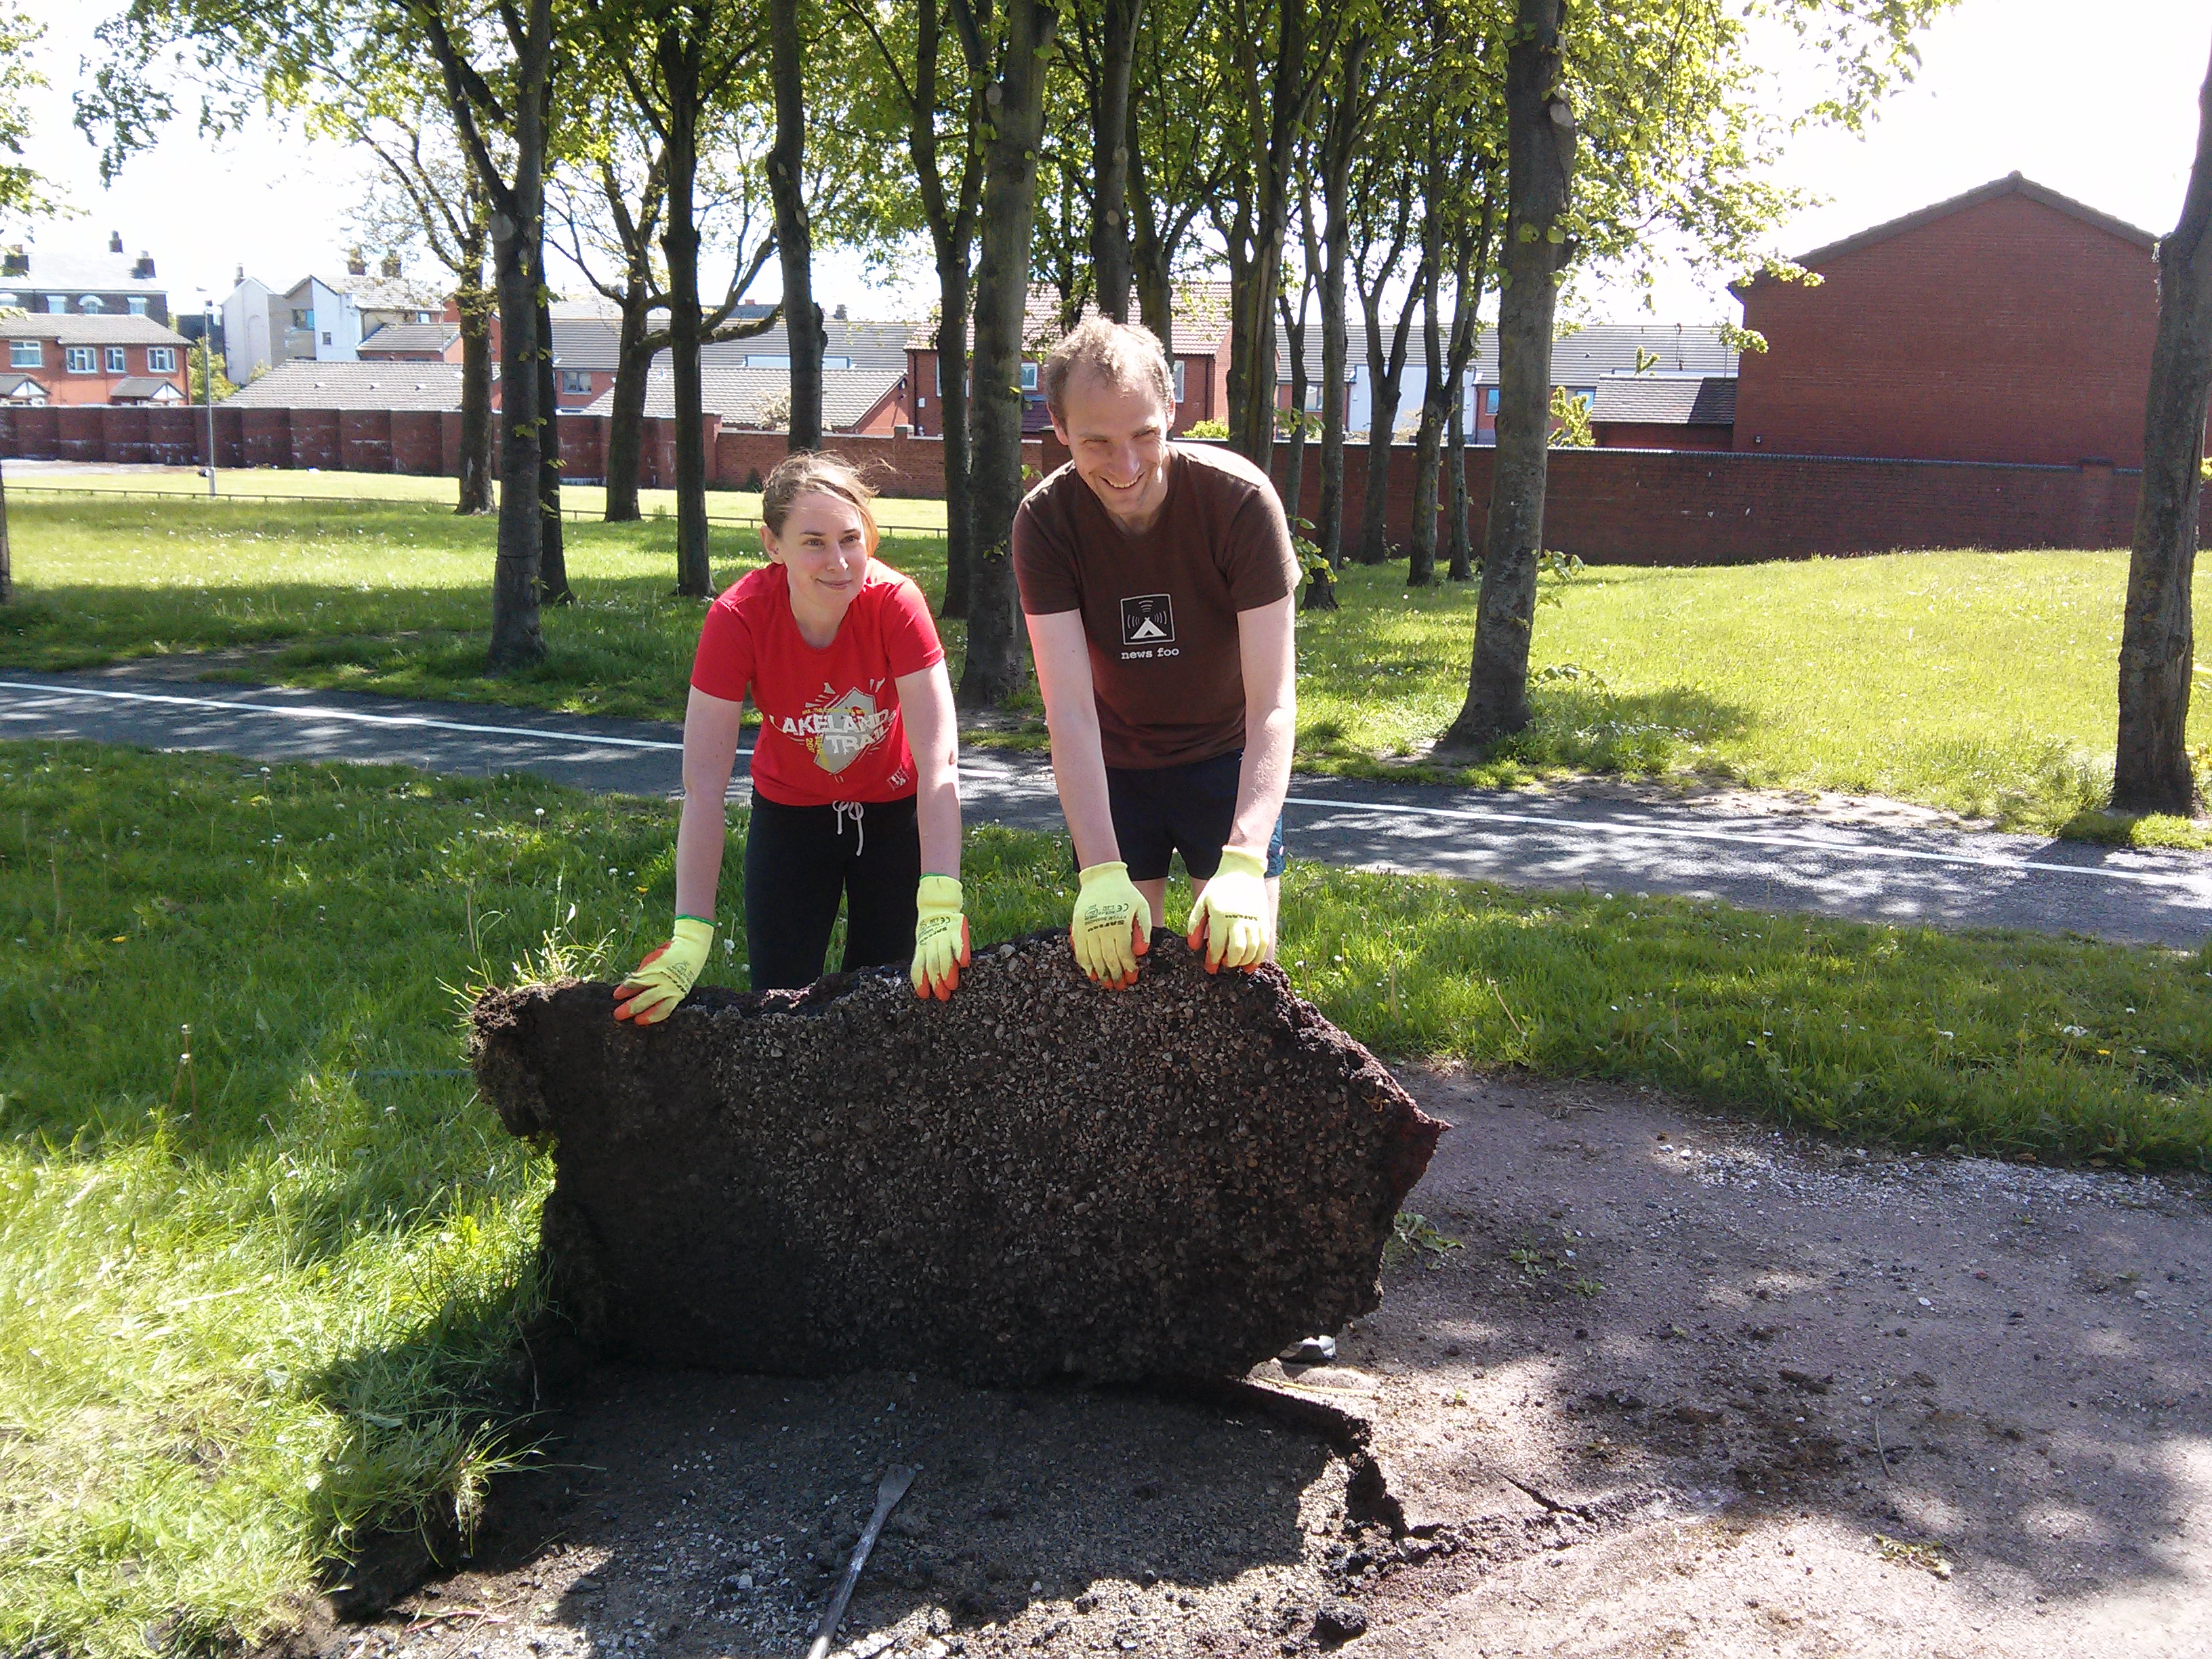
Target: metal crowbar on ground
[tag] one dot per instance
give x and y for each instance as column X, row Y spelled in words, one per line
column 896, row 1479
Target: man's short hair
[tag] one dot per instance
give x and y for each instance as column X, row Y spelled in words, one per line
column 1124, row 356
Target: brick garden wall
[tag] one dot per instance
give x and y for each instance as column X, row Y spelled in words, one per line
column 1608, row 506
column 1688, row 507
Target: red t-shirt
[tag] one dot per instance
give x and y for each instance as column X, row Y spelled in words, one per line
column 830, row 729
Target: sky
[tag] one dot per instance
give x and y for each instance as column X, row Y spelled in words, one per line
column 2096, row 99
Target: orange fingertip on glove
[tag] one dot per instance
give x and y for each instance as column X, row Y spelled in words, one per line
column 666, row 975
column 940, row 938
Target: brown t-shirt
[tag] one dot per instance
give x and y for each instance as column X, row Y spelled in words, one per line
column 1160, row 609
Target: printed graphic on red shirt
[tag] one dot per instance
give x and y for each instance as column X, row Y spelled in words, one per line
column 838, row 727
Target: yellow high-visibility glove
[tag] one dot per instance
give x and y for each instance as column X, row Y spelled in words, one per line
column 941, row 937
column 1112, row 925
column 1231, row 914
column 666, row 975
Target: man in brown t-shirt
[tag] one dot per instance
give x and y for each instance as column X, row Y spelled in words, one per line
column 1158, row 582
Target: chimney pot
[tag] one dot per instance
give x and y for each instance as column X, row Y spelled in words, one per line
column 392, row 266
column 115, row 241
column 143, row 270
column 242, row 274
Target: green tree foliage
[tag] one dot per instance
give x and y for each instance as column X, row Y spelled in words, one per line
column 24, row 193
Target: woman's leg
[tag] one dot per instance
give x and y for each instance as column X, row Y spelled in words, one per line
column 879, row 886
column 794, row 871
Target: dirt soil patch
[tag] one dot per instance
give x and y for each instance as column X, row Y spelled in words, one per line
column 1651, row 1382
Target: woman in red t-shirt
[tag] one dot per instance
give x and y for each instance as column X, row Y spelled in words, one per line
column 842, row 660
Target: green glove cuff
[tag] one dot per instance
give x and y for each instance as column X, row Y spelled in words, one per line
column 694, row 930
column 1235, row 861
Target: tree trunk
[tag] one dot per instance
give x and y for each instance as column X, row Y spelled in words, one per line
column 553, row 546
column 993, row 669
column 1335, row 350
column 1540, row 131
column 1110, row 257
column 1460, row 543
column 518, row 235
column 476, row 305
column 1294, row 463
column 626, row 414
column 1252, row 348
column 1386, row 379
column 1471, row 275
column 794, row 238
column 679, row 241
column 2151, row 771
column 952, row 282
column 516, row 639
column 1339, row 146
column 1421, row 546
column 7, row 563
column 1152, row 255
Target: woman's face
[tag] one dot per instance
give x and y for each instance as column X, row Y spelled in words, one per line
column 823, row 549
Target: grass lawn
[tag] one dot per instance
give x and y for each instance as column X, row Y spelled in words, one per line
column 1981, row 683
column 263, row 483
column 253, row 1301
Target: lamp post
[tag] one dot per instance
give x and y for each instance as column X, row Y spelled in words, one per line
column 207, row 384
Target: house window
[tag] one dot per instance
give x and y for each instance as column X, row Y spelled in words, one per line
column 81, row 360
column 160, row 360
column 1178, row 380
column 25, row 354
column 90, row 304
column 301, row 317
column 577, row 382
column 326, row 337
column 1029, row 377
column 137, row 305
column 1489, row 401
column 117, row 363
column 58, row 303
column 1313, row 399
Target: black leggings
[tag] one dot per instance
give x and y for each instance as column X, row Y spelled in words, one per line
column 800, row 860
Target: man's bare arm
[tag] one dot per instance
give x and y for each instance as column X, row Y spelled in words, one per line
column 1267, row 642
column 1078, row 764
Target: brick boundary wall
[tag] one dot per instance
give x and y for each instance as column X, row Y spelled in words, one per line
column 1656, row 507
column 1608, row 506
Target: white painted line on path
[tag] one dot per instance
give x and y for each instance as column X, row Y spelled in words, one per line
column 1564, row 827
column 319, row 712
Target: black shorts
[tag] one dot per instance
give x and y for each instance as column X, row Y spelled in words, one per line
column 801, row 861
column 1162, row 811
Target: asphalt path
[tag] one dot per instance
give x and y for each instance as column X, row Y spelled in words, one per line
column 1762, row 860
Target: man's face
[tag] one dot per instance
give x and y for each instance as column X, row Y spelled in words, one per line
column 1118, row 436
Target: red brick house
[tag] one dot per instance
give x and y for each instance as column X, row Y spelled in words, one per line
column 1200, row 358
column 70, row 358
column 2009, row 324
